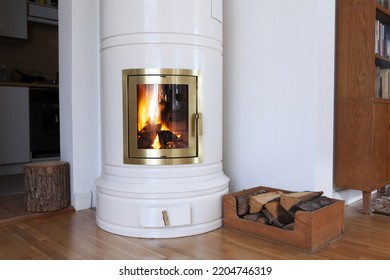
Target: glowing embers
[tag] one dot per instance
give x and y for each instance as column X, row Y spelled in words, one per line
column 162, row 116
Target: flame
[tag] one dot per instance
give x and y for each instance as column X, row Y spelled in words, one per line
column 149, row 108
column 156, row 143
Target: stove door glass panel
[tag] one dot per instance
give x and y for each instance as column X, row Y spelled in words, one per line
column 161, row 119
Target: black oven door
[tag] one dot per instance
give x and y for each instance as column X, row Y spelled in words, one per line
column 44, row 123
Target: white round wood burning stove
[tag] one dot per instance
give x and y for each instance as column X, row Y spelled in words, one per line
column 161, row 85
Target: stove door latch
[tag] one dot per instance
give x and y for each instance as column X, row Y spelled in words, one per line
column 199, row 120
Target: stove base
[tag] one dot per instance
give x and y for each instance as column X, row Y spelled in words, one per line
column 145, row 208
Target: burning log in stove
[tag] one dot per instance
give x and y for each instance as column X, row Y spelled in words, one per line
column 147, row 135
column 166, row 138
column 169, row 140
column 277, row 208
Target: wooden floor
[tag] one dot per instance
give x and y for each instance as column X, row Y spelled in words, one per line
column 74, row 235
column 11, row 206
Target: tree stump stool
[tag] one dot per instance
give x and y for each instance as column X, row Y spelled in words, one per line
column 47, row 186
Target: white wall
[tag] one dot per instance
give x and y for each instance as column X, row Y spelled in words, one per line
column 278, row 94
column 79, row 95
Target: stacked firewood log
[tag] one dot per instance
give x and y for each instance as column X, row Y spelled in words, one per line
column 277, row 208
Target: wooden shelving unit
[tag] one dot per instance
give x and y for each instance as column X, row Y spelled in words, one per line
column 362, row 120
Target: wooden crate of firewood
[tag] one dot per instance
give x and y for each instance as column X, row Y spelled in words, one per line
column 307, row 221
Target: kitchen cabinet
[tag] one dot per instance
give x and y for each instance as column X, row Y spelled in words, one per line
column 14, row 125
column 42, row 13
column 13, row 18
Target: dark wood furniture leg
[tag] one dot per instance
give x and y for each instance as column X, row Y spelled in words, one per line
column 366, row 202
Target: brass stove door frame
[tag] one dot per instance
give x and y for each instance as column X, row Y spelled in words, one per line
column 134, row 155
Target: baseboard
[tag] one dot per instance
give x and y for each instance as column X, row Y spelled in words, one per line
column 82, row 200
column 349, row 196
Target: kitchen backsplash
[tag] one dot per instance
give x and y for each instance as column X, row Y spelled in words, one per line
column 36, row 56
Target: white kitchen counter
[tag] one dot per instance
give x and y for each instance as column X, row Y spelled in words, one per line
column 36, row 85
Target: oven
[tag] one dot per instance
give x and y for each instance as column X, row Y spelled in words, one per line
column 44, row 123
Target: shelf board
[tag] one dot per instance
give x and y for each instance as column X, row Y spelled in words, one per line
column 382, row 100
column 381, row 61
column 382, row 14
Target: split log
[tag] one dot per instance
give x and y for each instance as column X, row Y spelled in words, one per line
column 261, row 220
column 274, row 208
column 169, row 140
column 242, row 205
column 273, row 221
column 290, row 226
column 287, row 217
column 177, row 144
column 314, row 204
column 256, row 202
column 147, row 135
column 243, row 202
column 253, row 217
column 165, row 137
column 287, row 201
column 281, row 219
column 47, row 186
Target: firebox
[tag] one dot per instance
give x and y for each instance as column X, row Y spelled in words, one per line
column 162, row 119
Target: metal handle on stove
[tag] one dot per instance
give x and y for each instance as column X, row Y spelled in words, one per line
column 199, row 119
